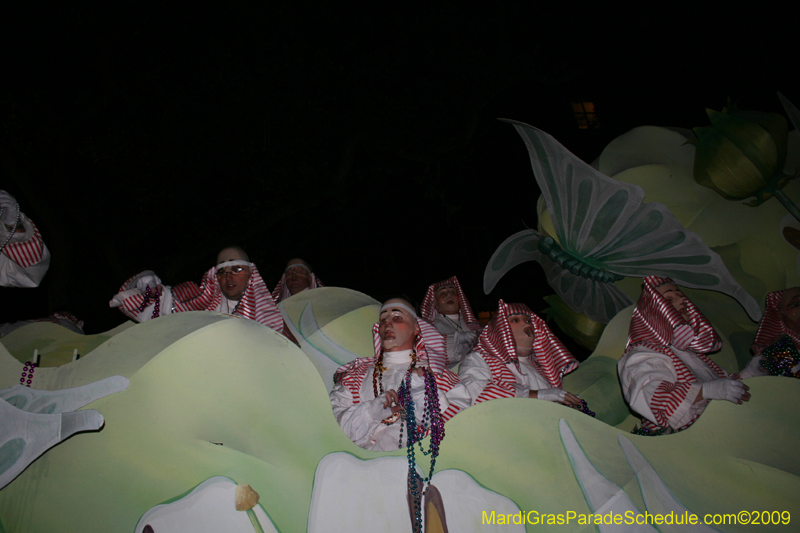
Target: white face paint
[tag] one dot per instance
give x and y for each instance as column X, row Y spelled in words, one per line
column 675, row 296
column 447, row 301
column 397, row 327
column 524, row 334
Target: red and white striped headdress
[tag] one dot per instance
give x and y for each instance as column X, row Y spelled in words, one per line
column 657, row 324
column 431, row 353
column 281, row 291
column 771, row 327
column 430, row 313
column 28, row 252
column 256, row 303
column 497, row 342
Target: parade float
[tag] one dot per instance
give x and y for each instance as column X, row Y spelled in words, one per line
column 202, row 421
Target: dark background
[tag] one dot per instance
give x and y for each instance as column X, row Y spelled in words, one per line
column 365, row 142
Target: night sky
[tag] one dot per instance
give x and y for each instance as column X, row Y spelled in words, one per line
column 365, row 142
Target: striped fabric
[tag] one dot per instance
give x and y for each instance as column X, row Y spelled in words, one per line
column 430, row 348
column 657, row 325
column 28, row 252
column 656, row 322
column 429, row 312
column 667, row 398
column 498, row 348
column 771, row 328
column 281, row 291
column 256, row 303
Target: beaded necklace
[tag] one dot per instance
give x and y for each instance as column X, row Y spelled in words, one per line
column 431, row 419
column 377, row 383
column 644, row 432
column 781, row 357
column 585, row 408
column 154, row 295
column 27, row 372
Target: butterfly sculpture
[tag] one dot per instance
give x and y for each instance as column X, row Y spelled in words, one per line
column 603, row 233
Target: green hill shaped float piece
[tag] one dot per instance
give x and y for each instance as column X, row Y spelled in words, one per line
column 333, row 326
column 213, row 395
column 55, row 343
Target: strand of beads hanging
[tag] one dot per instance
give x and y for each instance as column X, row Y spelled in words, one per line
column 13, row 230
column 432, row 422
column 155, row 295
column 548, row 246
column 585, row 408
column 377, row 385
column 27, row 373
column 377, row 376
column 781, row 358
column 643, row 431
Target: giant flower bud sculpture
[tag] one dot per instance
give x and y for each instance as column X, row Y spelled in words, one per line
column 742, row 154
column 602, row 233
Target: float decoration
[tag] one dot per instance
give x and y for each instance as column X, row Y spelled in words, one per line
column 216, row 504
column 212, row 395
column 36, row 420
column 742, row 154
column 328, row 323
column 603, row 232
column 580, row 327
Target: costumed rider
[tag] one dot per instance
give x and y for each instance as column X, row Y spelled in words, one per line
column 367, row 393
column 297, row 277
column 446, row 306
column 781, row 318
column 24, row 258
column 233, row 286
column 666, row 375
column 517, row 356
column 781, row 325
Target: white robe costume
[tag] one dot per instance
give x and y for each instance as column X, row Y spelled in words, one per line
column 493, row 370
column 360, row 413
column 643, row 372
column 476, row 374
column 460, row 339
column 362, row 421
column 460, row 330
column 665, row 363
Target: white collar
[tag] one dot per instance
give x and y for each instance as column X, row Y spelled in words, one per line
column 399, row 357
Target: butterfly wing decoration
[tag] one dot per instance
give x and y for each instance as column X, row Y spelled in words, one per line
column 605, row 232
column 599, row 301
